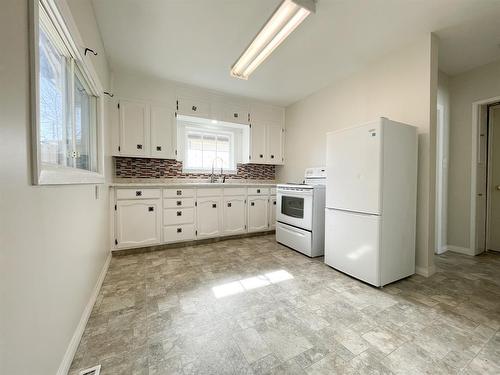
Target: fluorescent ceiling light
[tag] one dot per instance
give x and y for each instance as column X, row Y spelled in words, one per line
column 284, row 20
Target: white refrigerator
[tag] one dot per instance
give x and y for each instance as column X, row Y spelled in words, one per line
column 371, row 192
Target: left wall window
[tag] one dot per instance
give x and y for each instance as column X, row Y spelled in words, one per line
column 67, row 133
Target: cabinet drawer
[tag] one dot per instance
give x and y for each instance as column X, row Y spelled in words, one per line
column 209, row 192
column 234, row 191
column 178, row 203
column 258, row 191
column 176, row 193
column 172, row 216
column 178, row 233
column 137, row 193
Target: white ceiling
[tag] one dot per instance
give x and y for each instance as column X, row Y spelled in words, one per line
column 197, row 41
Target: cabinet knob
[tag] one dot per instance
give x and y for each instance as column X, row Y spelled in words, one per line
column 179, row 213
column 274, row 203
column 194, row 108
column 214, row 205
column 158, row 148
column 229, row 204
column 252, row 203
column 261, row 156
column 179, row 192
column 235, row 115
column 272, row 156
column 151, row 209
column 139, row 147
column 179, row 203
column 138, row 193
column 179, row 230
column 258, row 191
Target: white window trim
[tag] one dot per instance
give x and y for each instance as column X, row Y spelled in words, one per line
column 216, row 168
column 44, row 174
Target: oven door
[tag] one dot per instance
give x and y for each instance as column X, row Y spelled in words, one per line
column 294, row 207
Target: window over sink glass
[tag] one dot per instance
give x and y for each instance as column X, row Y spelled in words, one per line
column 205, row 142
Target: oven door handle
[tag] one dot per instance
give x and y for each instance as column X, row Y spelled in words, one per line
column 294, row 193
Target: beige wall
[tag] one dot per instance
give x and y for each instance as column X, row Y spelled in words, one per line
column 53, row 239
column 477, row 84
column 402, row 87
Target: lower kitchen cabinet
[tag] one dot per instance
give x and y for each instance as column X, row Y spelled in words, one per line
column 258, row 213
column 138, row 222
column 272, row 212
column 234, row 218
column 208, row 217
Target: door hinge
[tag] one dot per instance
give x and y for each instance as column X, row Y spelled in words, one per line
column 119, row 148
column 118, row 105
column 116, row 241
column 175, row 114
column 245, row 226
column 249, row 157
column 250, row 125
column 196, row 232
column 115, row 207
column 175, row 152
column 177, row 105
column 196, row 203
column 245, row 201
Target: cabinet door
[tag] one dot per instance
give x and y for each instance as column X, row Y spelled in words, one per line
column 162, row 132
column 236, row 113
column 274, row 144
column 272, row 212
column 134, row 128
column 258, row 143
column 208, row 217
column 234, row 215
column 138, row 222
column 257, row 214
column 193, row 107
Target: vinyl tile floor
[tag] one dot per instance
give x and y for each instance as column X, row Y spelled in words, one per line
column 252, row 306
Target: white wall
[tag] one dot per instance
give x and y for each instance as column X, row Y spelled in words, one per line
column 53, row 239
column 477, row 84
column 403, row 87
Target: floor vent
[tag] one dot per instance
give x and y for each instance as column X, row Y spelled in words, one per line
column 96, row 370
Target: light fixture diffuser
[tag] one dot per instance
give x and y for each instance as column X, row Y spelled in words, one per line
column 284, row 20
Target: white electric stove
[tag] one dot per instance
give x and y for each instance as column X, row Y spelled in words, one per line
column 300, row 213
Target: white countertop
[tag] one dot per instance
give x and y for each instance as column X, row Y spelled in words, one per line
column 177, row 183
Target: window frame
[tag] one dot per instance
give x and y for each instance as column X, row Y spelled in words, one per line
column 66, row 35
column 216, row 132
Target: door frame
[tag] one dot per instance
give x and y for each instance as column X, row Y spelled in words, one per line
column 488, row 175
column 476, row 112
column 441, row 181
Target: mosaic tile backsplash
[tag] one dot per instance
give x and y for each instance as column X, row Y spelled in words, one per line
column 168, row 168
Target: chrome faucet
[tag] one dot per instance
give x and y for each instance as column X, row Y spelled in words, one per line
column 212, row 176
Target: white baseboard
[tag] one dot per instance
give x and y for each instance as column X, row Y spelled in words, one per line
column 425, row 271
column 80, row 328
column 461, row 250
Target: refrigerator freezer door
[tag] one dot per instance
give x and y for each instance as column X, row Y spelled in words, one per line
column 353, row 168
column 352, row 244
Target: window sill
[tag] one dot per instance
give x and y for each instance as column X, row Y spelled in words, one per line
column 209, row 171
column 52, row 175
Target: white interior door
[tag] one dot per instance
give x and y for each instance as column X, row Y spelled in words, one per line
column 494, row 180
column 353, row 169
column 352, row 244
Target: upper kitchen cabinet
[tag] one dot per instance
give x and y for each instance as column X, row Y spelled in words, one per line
column 145, row 130
column 236, row 113
column 133, row 128
column 162, row 132
column 274, row 150
column 258, row 143
column 193, row 107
